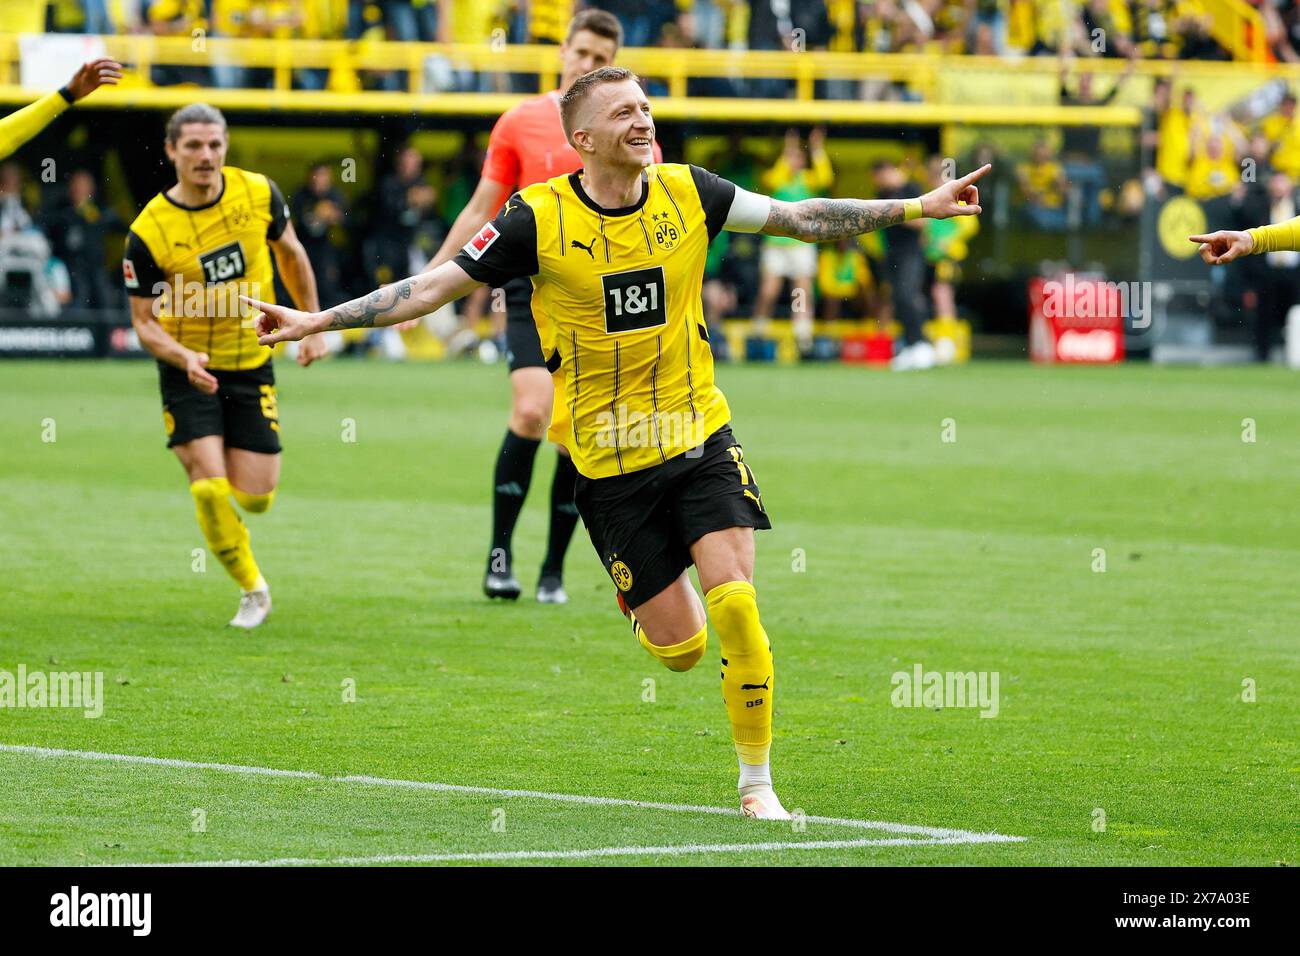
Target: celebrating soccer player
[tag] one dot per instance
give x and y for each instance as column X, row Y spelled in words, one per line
column 190, row 254
column 616, row 259
column 528, row 146
column 17, row 128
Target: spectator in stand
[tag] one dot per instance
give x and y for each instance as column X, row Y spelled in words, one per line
column 1176, row 128
column 177, row 18
column 1107, row 29
column 1279, row 279
column 904, row 269
column 13, row 210
column 844, row 281
column 1042, row 187
column 1192, row 24
column 548, row 20
column 1152, row 30
column 987, row 23
column 642, row 20
column 1283, row 132
column 1288, row 43
column 785, row 25
column 78, row 229
column 30, row 278
column 1081, row 145
column 793, row 178
column 1214, row 170
column 405, row 202
column 319, row 211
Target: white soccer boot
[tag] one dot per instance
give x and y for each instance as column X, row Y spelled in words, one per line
column 762, row 804
column 254, row 605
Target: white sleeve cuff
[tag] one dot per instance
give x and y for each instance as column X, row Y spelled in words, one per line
column 749, row 212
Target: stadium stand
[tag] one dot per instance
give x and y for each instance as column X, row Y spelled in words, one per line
column 1095, row 113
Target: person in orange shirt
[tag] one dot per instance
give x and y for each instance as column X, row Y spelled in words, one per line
column 527, row 146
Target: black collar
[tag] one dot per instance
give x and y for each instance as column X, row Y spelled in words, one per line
column 576, row 182
column 207, row 205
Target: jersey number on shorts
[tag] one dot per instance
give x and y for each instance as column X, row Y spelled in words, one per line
column 634, row 300
column 270, row 408
column 746, row 476
column 224, row 264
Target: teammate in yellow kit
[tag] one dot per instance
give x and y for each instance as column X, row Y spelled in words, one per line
column 616, row 258
column 17, row 128
column 190, row 254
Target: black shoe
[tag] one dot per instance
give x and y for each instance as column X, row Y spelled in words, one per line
column 550, row 590
column 501, row 584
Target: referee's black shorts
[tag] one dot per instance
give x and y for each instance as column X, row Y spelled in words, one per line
column 643, row 524
column 523, row 347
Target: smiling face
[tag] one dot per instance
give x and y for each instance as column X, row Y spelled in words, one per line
column 615, row 127
column 199, row 153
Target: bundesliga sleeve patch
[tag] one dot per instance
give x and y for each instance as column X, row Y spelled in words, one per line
column 128, row 274
column 481, row 242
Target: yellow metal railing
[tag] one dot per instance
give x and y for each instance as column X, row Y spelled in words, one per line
column 1238, row 28
column 939, row 87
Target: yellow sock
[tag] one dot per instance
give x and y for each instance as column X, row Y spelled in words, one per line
column 226, row 535
column 675, row 657
column 747, row 674
column 253, row 504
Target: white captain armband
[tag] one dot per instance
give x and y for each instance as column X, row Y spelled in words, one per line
column 749, row 212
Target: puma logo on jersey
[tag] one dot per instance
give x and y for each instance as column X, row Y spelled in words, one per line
column 574, row 243
column 762, row 686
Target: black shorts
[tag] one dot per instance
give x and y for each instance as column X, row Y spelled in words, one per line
column 644, row 523
column 523, row 347
column 243, row 411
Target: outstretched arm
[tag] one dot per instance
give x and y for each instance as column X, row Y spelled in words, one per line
column 17, row 128
column 397, row 302
column 824, row 220
column 1228, row 244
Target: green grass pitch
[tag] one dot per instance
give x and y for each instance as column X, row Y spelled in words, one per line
column 1121, row 692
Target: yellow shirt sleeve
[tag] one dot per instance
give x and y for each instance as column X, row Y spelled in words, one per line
column 821, row 175
column 1278, row 237
column 18, row 128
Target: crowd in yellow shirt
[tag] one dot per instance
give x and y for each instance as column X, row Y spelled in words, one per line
column 1207, row 155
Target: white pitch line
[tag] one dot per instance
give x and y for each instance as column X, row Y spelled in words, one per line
column 936, row 834
column 606, row 851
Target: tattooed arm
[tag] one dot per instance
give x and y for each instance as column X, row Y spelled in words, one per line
column 823, row 220
column 406, row 299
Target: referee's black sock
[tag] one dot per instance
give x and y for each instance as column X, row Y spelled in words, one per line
column 564, row 516
column 514, row 472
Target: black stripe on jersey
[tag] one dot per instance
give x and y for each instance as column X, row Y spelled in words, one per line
column 559, row 213
column 573, row 402
column 654, row 394
column 690, row 386
column 641, row 221
column 198, row 247
column 603, row 236
column 613, row 409
column 669, row 193
column 180, row 321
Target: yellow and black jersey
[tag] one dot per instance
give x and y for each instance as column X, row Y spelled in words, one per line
column 199, row 260
column 616, row 300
